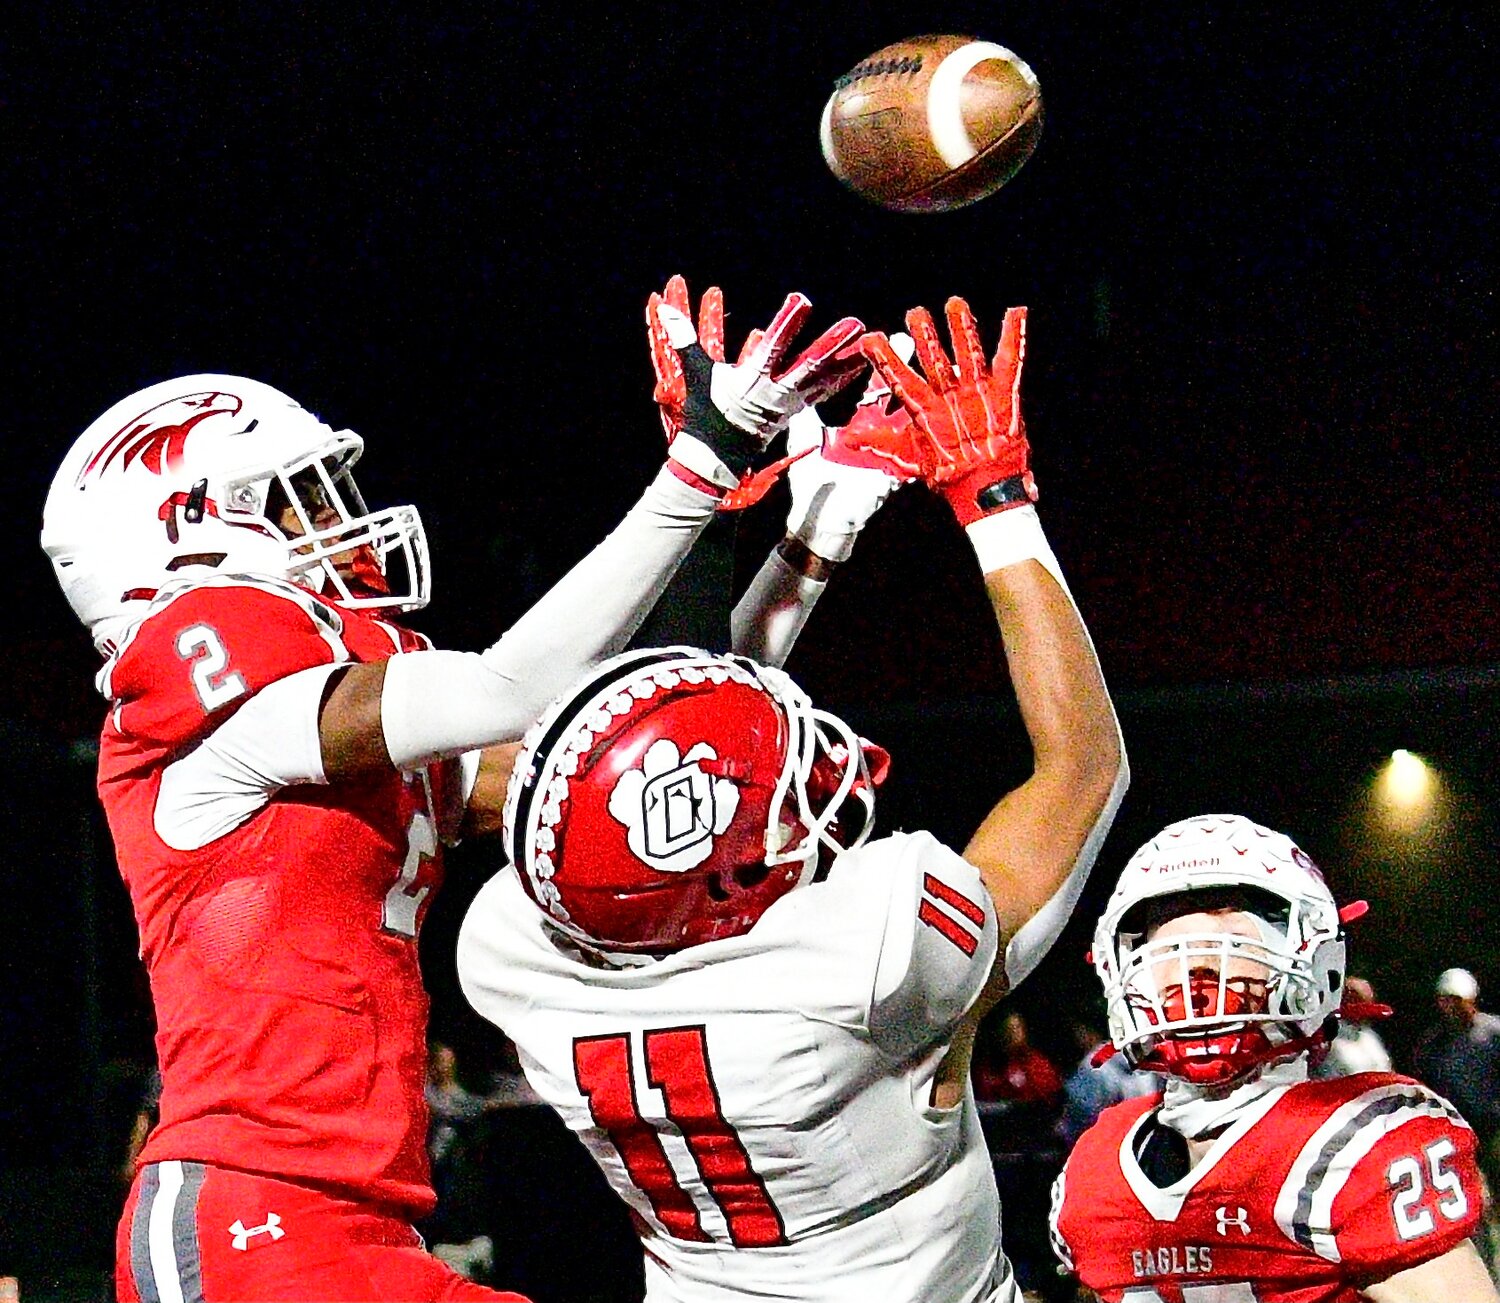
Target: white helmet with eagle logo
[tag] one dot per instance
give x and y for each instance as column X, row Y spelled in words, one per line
column 201, row 471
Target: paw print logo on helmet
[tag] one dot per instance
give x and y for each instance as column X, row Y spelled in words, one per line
column 672, row 807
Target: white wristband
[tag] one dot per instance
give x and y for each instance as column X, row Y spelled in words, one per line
column 690, row 451
column 1009, row 537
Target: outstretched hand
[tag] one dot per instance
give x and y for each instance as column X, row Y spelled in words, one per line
column 967, row 437
column 840, row 476
column 736, row 410
column 670, row 392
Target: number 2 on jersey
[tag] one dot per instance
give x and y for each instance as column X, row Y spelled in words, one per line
column 213, row 680
column 401, row 912
column 676, row 1064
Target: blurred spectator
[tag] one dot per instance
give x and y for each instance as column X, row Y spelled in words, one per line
column 1090, row 1090
column 451, row 1104
column 1009, row 1069
column 455, row 1147
column 1019, row 1092
column 1459, row 1057
column 1357, row 1047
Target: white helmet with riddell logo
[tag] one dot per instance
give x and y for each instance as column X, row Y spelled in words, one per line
column 201, row 471
column 1209, row 1005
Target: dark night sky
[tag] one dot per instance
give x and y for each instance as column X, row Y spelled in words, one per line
column 1256, row 241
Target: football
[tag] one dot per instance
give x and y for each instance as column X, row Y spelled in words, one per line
column 932, row 123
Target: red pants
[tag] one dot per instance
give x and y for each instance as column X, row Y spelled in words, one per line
column 197, row 1234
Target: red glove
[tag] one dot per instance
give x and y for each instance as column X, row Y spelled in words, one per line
column 671, row 384
column 880, row 435
column 967, row 438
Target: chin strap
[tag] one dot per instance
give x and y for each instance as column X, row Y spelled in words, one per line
column 1223, row 1070
column 1198, row 1111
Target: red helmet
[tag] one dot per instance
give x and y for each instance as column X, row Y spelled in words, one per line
column 675, row 795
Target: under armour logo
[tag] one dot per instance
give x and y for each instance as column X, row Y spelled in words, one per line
column 1240, row 1219
column 243, row 1233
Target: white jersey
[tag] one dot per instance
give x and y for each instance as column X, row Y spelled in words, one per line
column 762, row 1102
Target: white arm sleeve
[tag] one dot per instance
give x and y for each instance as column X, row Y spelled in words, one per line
column 436, row 704
column 769, row 617
column 271, row 742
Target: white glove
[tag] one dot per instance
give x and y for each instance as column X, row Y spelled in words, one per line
column 761, row 391
column 832, row 502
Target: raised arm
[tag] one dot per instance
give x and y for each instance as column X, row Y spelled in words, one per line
column 968, row 441
column 832, row 500
column 412, row 709
column 1036, row 847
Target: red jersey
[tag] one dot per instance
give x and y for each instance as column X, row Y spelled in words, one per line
column 1322, row 1189
column 291, row 1019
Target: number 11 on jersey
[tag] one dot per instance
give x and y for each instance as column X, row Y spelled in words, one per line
column 676, row 1061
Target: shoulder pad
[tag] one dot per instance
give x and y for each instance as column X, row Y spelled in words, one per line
column 205, row 647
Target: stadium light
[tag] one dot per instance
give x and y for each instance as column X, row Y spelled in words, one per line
column 1406, row 778
column 1406, row 790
